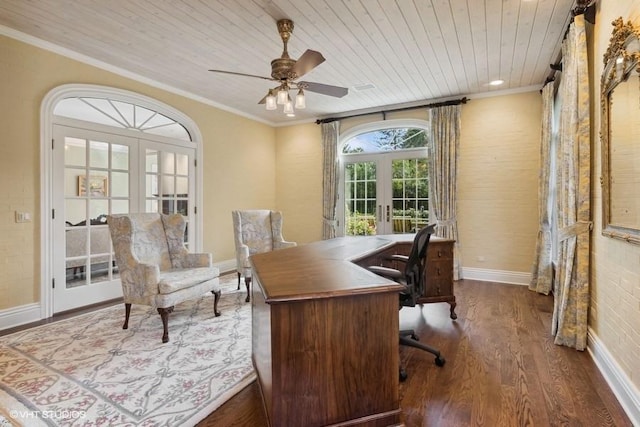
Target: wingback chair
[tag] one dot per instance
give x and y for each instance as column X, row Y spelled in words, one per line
column 155, row 267
column 256, row 231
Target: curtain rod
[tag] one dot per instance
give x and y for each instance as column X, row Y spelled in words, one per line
column 384, row 112
column 586, row 8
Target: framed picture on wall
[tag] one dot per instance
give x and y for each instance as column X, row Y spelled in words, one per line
column 96, row 187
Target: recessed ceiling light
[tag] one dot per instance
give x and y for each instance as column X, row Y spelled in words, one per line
column 496, row 82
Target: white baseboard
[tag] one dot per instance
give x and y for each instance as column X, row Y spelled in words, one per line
column 17, row 316
column 625, row 391
column 501, row 276
column 226, row 266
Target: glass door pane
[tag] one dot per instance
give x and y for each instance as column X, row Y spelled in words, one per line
column 169, row 181
column 91, row 182
column 409, row 194
column 360, row 190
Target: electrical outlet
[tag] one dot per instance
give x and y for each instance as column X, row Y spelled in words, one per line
column 23, row 216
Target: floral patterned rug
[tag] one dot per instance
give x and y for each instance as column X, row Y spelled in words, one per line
column 88, row 371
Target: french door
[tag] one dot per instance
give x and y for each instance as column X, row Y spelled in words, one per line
column 96, row 174
column 385, row 193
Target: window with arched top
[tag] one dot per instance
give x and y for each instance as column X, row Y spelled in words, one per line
column 384, row 176
column 386, row 139
column 122, row 115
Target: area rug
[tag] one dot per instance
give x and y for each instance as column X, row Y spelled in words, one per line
column 88, row 371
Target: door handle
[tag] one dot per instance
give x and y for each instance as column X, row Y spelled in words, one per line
column 379, row 213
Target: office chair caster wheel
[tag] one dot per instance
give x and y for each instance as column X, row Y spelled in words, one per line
column 440, row 361
column 403, row 375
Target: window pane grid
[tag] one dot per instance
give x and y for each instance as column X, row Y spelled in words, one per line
column 410, row 195
column 89, row 197
column 360, row 198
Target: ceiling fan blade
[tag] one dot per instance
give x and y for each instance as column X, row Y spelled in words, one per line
column 323, row 89
column 309, row 60
column 242, row 74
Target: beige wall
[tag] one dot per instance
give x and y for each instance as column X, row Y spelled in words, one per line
column 239, row 160
column 498, row 182
column 299, row 181
column 614, row 316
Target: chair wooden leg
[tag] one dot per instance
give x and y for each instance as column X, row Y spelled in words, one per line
column 247, row 282
column 127, row 312
column 164, row 315
column 216, row 298
column 238, row 280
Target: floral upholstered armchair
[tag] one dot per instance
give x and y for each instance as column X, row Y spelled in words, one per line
column 256, row 231
column 155, row 267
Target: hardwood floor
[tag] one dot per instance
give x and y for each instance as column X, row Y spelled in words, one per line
column 502, row 369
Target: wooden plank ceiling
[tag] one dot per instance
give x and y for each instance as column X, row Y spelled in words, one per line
column 386, row 52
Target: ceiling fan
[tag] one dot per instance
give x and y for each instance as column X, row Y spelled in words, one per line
column 286, row 71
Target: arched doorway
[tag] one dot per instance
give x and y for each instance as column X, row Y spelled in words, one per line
column 107, row 151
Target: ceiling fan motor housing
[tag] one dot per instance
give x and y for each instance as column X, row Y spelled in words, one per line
column 281, row 68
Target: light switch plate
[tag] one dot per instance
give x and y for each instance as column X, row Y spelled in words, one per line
column 23, row 216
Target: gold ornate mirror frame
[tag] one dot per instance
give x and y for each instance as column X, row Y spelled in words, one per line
column 621, row 60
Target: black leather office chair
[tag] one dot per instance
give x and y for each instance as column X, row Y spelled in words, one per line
column 413, row 278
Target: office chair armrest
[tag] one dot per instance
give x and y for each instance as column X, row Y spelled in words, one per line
column 389, row 273
column 401, row 258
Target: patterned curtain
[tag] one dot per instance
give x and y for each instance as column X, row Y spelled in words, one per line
column 571, row 284
column 443, row 163
column 329, row 178
column 542, row 273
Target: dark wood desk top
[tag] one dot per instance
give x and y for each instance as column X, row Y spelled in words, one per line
column 323, row 269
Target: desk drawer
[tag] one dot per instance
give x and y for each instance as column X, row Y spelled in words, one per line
column 439, row 251
column 439, row 270
column 439, row 278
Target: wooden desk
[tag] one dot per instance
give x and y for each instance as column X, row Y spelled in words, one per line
column 325, row 334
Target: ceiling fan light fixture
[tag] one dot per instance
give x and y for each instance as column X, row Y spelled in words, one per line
column 283, row 95
column 300, row 100
column 271, row 101
column 288, row 107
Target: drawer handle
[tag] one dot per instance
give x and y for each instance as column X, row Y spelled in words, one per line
column 439, row 254
column 438, row 271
